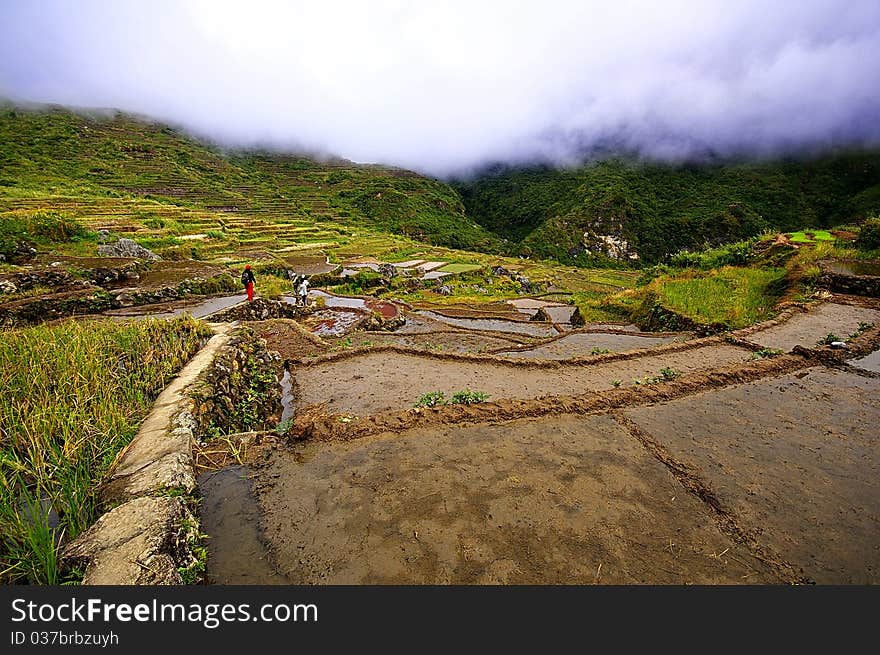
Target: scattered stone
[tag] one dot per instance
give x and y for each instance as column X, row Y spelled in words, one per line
column 525, row 285
column 387, row 270
column 7, row 286
column 838, row 344
column 103, row 236
column 444, row 290
column 127, row 248
column 500, row 270
column 541, row 315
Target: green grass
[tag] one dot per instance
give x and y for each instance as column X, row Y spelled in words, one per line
column 811, row 236
column 460, row 268
column 71, row 396
column 732, row 296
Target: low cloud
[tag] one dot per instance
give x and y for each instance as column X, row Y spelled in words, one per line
column 446, row 87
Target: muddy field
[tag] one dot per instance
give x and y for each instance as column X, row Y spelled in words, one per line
column 750, row 470
column 569, row 500
column 796, row 458
column 808, row 328
column 384, row 381
column 580, row 344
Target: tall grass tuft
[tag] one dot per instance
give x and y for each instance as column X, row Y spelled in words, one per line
column 71, row 396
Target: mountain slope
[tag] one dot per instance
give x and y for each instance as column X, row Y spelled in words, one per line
column 658, row 209
column 112, row 154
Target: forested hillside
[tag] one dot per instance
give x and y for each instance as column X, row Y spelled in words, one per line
column 660, row 208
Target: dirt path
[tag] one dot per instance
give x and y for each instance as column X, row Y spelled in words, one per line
column 381, row 382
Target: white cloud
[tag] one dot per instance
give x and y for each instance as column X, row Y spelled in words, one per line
column 446, row 86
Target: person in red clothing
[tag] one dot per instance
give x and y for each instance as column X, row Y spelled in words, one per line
column 248, row 280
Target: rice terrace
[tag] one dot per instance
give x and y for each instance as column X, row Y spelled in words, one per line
column 450, row 406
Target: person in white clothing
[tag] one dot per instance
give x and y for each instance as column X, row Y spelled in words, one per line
column 303, row 291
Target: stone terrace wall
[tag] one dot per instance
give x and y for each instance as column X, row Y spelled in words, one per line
column 241, row 391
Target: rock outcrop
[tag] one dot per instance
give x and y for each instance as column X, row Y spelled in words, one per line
column 126, row 248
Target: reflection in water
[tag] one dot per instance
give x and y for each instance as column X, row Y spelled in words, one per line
column 230, row 518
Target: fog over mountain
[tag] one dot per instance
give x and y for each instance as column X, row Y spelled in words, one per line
column 445, row 87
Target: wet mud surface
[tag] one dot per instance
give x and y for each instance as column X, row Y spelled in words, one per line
column 806, row 329
column 495, row 325
column 383, row 381
column 744, row 470
column 797, row 458
column 447, row 341
column 869, row 362
column 581, row 344
column 567, row 500
column 230, row 517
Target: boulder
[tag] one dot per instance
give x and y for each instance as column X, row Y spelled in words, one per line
column 126, row 248
column 541, row 315
column 387, row 270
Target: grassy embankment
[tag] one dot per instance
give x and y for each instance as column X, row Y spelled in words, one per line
column 71, row 396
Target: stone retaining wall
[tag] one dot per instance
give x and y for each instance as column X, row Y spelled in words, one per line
column 241, row 391
column 147, row 535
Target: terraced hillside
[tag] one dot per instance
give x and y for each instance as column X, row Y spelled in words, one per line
column 132, row 175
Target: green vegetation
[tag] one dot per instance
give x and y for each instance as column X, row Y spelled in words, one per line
column 431, row 399
column 766, row 352
column 113, row 169
column 810, row 236
column 460, row 268
column 828, row 339
column 71, row 396
column 730, row 296
column 869, row 234
column 468, row 397
column 661, row 209
column 19, row 229
column 666, row 375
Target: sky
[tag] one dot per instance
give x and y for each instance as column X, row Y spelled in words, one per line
column 447, row 87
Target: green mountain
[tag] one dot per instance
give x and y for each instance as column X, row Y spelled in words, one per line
column 79, row 156
column 114, row 165
column 651, row 209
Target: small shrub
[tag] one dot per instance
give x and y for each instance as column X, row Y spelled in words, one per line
column 468, row 397
column 828, row 339
column 869, row 234
column 599, row 351
column 431, row 399
column 766, row 352
column 616, row 383
column 669, row 374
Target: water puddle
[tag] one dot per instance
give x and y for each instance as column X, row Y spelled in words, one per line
column 286, row 396
column 230, row 518
column 201, row 309
column 854, row 268
column 332, row 323
column 331, row 300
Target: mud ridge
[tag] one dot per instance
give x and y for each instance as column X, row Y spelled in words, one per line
column 510, row 361
column 538, row 342
column 726, row 520
column 315, row 423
